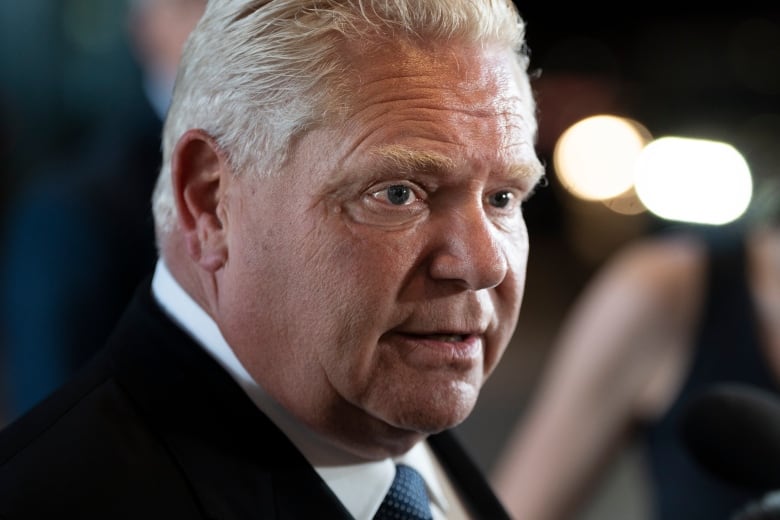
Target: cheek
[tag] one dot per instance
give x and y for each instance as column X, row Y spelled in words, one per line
column 515, row 283
column 353, row 284
column 367, row 260
column 517, row 252
column 507, row 299
column 340, row 279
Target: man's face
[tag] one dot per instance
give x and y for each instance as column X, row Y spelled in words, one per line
column 374, row 283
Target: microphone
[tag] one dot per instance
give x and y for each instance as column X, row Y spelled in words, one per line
column 733, row 431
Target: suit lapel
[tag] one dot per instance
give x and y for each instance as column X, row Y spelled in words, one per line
column 238, row 463
column 467, row 478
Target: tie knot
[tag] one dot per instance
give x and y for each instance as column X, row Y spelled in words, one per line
column 407, row 498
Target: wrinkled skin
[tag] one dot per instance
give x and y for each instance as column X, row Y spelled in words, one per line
column 372, row 286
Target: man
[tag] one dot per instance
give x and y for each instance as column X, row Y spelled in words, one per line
column 342, row 262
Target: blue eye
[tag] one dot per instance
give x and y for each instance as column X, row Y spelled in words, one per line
column 402, row 195
column 398, row 194
column 501, row 199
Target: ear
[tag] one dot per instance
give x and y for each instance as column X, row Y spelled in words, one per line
column 200, row 175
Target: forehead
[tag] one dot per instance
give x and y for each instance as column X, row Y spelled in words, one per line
column 462, row 77
column 441, row 105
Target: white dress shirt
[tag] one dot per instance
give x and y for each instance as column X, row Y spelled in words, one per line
column 360, row 487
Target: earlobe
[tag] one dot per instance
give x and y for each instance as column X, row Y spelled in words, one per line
column 200, row 174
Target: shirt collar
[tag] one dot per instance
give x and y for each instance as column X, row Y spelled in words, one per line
column 346, row 480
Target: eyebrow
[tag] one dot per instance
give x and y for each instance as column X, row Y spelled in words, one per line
column 406, row 159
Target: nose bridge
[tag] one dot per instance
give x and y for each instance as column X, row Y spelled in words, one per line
column 472, row 250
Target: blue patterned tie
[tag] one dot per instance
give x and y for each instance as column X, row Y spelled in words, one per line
column 407, row 499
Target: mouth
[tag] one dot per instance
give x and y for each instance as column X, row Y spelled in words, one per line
column 454, row 349
column 444, row 337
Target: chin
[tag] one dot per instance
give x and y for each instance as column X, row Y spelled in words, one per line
column 435, row 413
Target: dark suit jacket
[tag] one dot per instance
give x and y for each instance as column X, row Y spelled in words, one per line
column 155, row 428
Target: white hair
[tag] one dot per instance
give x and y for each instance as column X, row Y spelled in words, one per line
column 255, row 74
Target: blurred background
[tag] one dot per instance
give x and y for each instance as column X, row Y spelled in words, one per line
column 67, row 67
column 704, row 80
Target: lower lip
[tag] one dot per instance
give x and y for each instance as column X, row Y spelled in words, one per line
column 437, row 353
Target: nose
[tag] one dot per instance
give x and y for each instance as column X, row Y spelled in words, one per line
column 471, row 251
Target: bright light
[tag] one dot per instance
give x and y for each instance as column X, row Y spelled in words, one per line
column 693, row 180
column 595, row 157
